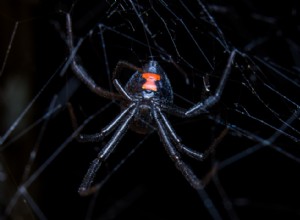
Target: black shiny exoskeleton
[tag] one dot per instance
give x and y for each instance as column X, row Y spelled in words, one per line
column 144, row 100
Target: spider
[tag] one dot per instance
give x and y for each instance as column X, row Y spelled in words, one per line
column 145, row 99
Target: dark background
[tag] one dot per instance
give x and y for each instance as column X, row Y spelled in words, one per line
column 261, row 183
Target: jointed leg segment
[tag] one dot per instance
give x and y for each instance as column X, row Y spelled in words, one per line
column 213, row 99
column 175, row 156
column 107, row 150
column 79, row 70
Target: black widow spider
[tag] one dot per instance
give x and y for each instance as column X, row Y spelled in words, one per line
column 144, row 99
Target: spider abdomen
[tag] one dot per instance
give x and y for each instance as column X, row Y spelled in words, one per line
column 150, row 83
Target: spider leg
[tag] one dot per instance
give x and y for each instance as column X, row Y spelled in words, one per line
column 104, row 153
column 121, row 90
column 177, row 141
column 122, row 65
column 213, row 99
column 174, row 110
column 104, row 132
column 175, row 156
column 184, row 149
column 80, row 71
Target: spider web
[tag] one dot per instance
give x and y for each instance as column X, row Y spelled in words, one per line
column 252, row 174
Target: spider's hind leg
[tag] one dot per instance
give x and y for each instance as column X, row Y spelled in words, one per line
column 124, row 65
column 119, row 67
column 213, row 99
column 79, row 70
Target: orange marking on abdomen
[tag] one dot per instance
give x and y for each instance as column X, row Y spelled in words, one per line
column 150, row 81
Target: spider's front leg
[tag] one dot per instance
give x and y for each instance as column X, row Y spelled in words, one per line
column 97, row 137
column 168, row 135
column 85, row 187
column 174, row 154
column 201, row 156
column 201, row 107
